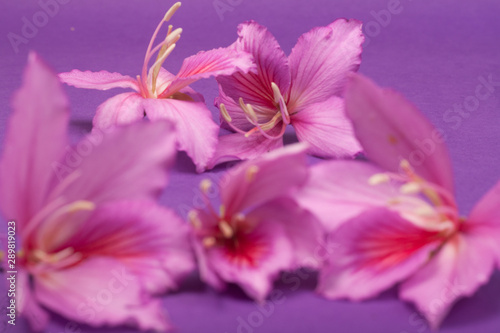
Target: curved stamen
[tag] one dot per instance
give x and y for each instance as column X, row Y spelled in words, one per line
column 150, row 50
column 280, row 101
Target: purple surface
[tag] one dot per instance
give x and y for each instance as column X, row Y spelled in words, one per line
column 435, row 52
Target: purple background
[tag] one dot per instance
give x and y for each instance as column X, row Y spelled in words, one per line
column 432, row 51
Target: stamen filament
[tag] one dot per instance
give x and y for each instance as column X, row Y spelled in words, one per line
column 226, row 229
column 224, row 113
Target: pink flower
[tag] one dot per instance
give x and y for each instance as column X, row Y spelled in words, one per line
column 304, row 89
column 162, row 95
column 94, row 246
column 398, row 221
column 258, row 231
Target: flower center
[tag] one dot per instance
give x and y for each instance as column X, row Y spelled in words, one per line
column 149, row 78
column 231, row 232
column 438, row 201
column 281, row 117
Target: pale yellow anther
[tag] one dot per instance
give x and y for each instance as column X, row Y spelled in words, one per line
column 209, row 241
column 410, row 188
column 226, row 229
column 205, row 185
column 194, row 219
column 247, row 108
column 425, row 211
column 171, row 11
column 405, row 165
column 251, row 172
column 224, row 113
column 379, row 178
column 276, row 92
column 52, row 258
column 157, row 65
column 79, row 205
column 173, row 36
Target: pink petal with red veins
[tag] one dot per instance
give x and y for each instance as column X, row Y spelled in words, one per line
column 372, row 252
column 121, row 109
column 204, row 64
column 196, row 131
column 108, row 294
column 321, row 60
column 256, row 260
column 460, row 267
column 327, row 130
column 272, row 66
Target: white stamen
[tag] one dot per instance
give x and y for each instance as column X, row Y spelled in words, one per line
column 251, row 172
column 224, row 113
column 425, row 211
column 277, row 92
column 247, row 108
column 410, row 188
column 171, row 11
column 226, row 229
column 379, row 178
column 209, row 241
column 194, row 219
column 205, row 185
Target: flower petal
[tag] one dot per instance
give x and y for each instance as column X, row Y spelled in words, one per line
column 35, row 140
column 236, row 146
column 204, row 64
column 152, row 241
column 102, row 80
column 374, row 251
column 27, row 305
column 390, row 129
column 302, row 229
column 339, row 190
column 273, row 253
column 272, row 66
column 324, row 126
column 269, row 177
column 121, row 109
column 195, row 129
column 108, row 294
column 462, row 265
column 485, row 219
column 128, row 162
column 321, row 61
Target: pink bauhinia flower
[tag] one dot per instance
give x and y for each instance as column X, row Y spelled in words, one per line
column 304, row 89
column 162, row 95
column 258, row 231
column 398, row 221
column 94, row 246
